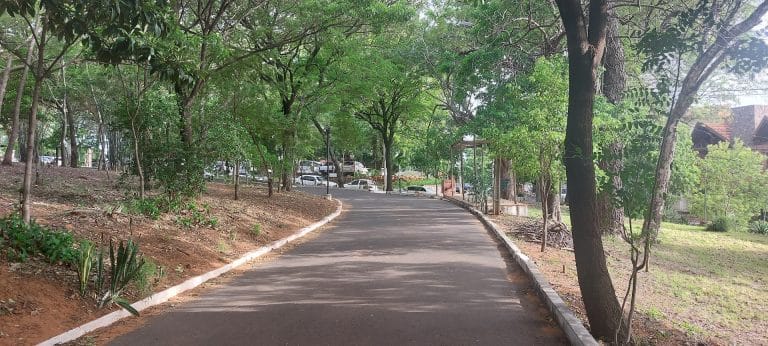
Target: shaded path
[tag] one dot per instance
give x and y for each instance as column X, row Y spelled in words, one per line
column 390, row 271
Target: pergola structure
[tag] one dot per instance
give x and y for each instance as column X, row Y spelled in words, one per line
column 479, row 196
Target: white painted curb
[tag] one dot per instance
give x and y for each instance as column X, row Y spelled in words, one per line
column 162, row 297
column 574, row 330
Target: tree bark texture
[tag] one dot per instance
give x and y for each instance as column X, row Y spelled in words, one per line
column 388, row 142
column 586, row 45
column 26, row 202
column 611, row 215
column 505, row 168
column 4, row 79
column 14, row 133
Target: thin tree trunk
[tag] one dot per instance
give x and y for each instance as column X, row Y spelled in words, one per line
column 137, row 157
column 237, row 179
column 4, row 79
column 74, row 156
column 14, row 133
column 26, row 203
column 544, row 193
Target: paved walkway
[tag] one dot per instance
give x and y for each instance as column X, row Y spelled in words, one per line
column 391, row 270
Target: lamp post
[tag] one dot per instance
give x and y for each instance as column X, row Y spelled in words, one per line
column 327, row 159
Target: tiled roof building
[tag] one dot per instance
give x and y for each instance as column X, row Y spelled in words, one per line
column 748, row 123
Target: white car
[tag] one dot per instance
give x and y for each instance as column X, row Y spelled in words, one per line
column 362, row 184
column 312, row 180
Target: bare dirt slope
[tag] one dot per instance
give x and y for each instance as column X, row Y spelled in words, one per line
column 39, row 300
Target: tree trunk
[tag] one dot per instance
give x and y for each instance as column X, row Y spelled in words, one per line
column 26, row 203
column 14, row 133
column 706, row 63
column 137, row 157
column 544, row 187
column 553, row 204
column 585, row 48
column 506, row 175
column 611, row 216
column 388, row 164
column 63, row 142
column 4, row 79
column 237, row 179
column 289, row 144
column 74, row 156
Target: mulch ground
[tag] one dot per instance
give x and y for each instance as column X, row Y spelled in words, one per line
column 39, row 300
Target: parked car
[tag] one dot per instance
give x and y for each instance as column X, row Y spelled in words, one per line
column 362, row 184
column 419, row 190
column 312, row 180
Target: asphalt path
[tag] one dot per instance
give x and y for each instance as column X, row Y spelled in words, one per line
column 391, row 270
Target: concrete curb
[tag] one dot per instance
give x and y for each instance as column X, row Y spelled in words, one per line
column 574, row 330
column 163, row 296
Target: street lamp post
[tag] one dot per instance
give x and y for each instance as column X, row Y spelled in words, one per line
column 327, row 159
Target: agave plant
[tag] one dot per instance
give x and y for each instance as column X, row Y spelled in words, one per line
column 84, row 263
column 125, row 266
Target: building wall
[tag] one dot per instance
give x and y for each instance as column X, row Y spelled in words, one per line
column 745, row 121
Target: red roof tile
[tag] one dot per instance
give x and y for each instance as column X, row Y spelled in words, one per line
column 722, row 129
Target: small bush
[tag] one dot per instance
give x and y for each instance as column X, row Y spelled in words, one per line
column 256, row 229
column 721, row 224
column 149, row 207
column 25, row 240
column 759, row 227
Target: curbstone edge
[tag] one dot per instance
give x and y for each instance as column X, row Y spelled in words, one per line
column 574, row 330
column 165, row 295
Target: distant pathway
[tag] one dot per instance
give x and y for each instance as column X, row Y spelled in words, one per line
column 390, row 271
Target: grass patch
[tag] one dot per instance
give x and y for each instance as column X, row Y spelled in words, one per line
column 701, row 279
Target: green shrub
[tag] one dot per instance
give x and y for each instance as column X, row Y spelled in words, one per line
column 84, row 264
column 57, row 246
column 721, row 224
column 148, row 274
column 25, row 240
column 256, row 229
column 149, row 207
column 125, row 267
column 759, row 227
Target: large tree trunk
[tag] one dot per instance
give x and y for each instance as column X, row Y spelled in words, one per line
column 289, row 146
column 14, row 133
column 26, row 194
column 611, row 216
column 585, row 49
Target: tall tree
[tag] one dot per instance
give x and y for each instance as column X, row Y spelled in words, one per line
column 711, row 36
column 586, row 37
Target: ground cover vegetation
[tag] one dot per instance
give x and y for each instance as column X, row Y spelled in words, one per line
column 159, row 97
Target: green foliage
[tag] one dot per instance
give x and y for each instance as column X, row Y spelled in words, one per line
column 256, row 229
column 125, row 267
column 148, row 274
column 732, row 184
column 84, row 264
column 721, row 224
column 193, row 215
column 26, row 240
column 149, row 207
column 759, row 227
